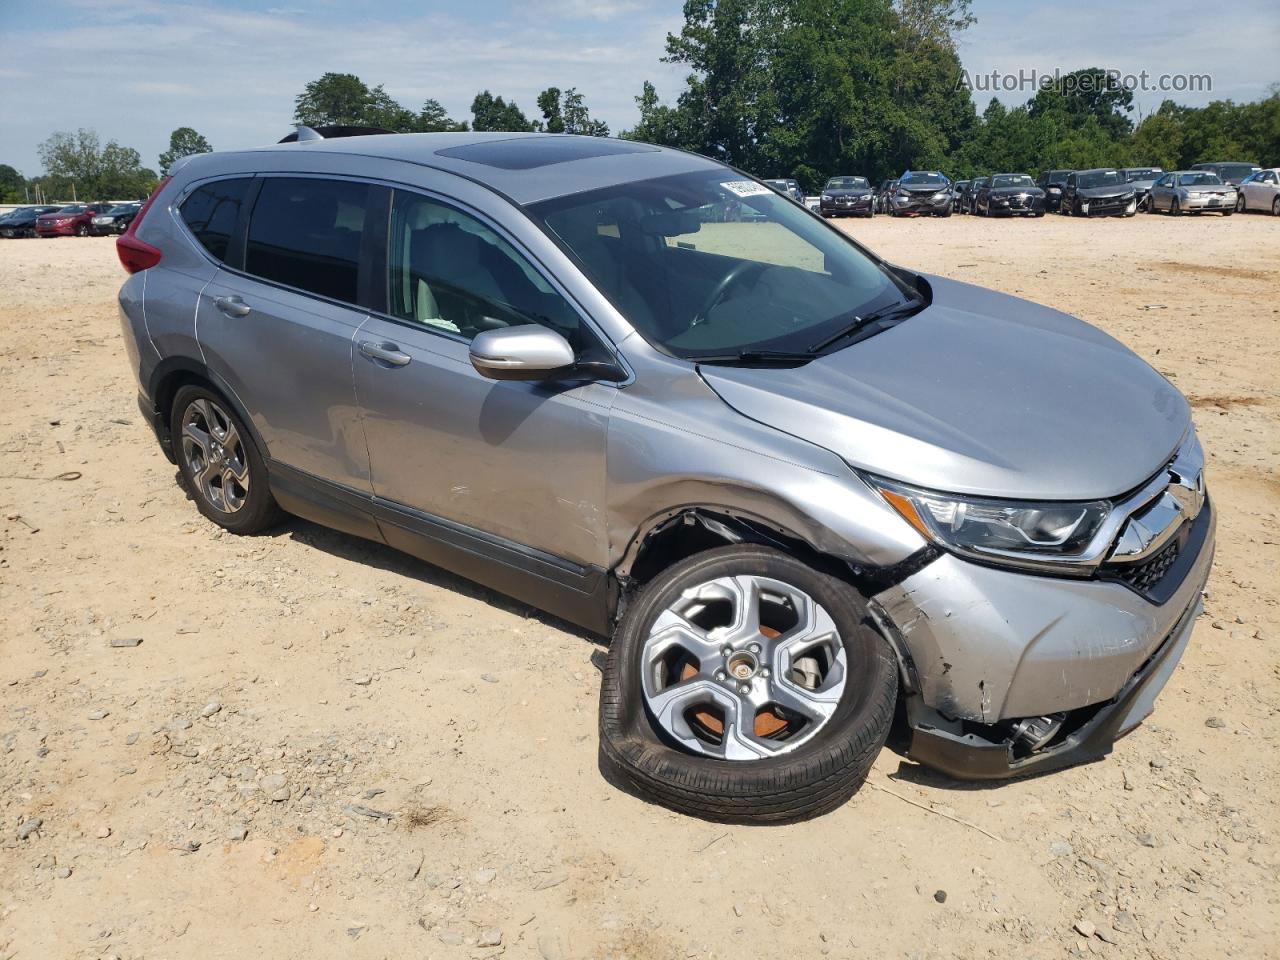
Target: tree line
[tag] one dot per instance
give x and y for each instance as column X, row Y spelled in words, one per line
column 781, row 88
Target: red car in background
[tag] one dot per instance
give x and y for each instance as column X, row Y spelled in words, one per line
column 69, row 221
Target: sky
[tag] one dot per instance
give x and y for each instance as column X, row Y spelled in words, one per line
column 133, row 70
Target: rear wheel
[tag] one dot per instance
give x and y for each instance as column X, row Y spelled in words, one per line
column 221, row 465
column 745, row 686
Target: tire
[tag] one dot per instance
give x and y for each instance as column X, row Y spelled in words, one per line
column 1227, row 213
column 1175, row 208
column 1038, row 213
column 82, row 230
column 1241, row 206
column 241, row 506
column 819, row 774
column 945, row 213
column 1275, row 206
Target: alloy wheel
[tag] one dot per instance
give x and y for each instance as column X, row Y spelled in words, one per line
column 1275, row 207
column 215, row 455
column 743, row 668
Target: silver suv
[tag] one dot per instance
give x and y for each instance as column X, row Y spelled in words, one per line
column 814, row 498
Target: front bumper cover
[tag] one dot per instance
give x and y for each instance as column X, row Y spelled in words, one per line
column 968, row 756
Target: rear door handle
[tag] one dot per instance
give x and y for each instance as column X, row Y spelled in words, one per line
column 232, row 306
column 389, row 353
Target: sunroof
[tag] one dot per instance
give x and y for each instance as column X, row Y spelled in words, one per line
column 525, row 153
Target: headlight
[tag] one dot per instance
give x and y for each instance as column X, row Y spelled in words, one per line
column 1194, row 193
column 826, row 196
column 903, row 195
column 1036, row 534
column 1055, row 189
column 941, row 195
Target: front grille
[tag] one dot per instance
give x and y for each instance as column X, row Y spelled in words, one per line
column 1145, row 575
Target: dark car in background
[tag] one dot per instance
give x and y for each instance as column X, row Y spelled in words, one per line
column 975, row 186
column 1100, row 192
column 1231, row 172
column 847, row 196
column 114, row 219
column 73, row 220
column 1052, row 182
column 1008, row 195
column 880, row 199
column 921, row 192
column 1142, row 178
column 22, row 222
column 961, row 190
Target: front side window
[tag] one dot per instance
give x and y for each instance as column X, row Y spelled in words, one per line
column 705, row 264
column 306, row 233
column 451, row 272
column 211, row 212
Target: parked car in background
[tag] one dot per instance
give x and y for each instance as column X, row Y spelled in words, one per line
column 115, row 219
column 922, row 192
column 22, row 222
column 880, row 199
column 1192, row 191
column 1101, row 192
column 847, row 196
column 960, row 189
column 73, row 220
column 1231, row 172
column 809, row 494
column 1009, row 195
column 975, row 185
column 1260, row 191
column 1141, row 179
column 1052, row 182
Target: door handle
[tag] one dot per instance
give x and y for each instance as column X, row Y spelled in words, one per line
column 232, row 306
column 384, row 352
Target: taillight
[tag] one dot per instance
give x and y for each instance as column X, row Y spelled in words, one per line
column 135, row 254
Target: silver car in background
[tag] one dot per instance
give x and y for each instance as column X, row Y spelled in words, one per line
column 1191, row 191
column 813, row 498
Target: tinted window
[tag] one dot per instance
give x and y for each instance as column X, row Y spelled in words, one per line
column 306, row 233
column 451, row 272
column 211, row 212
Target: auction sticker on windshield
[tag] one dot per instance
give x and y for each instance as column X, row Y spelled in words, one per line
column 746, row 188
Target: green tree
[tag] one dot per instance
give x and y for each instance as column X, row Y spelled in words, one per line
column 336, row 99
column 78, row 164
column 568, row 113
column 493, row 113
column 183, row 142
column 1090, row 92
column 11, row 184
column 433, row 118
column 659, row 123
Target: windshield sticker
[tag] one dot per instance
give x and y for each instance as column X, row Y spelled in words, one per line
column 746, row 188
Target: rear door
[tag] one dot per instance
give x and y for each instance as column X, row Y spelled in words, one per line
column 276, row 324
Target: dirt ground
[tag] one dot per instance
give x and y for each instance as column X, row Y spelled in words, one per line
column 322, row 748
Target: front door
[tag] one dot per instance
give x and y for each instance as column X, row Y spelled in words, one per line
column 512, row 469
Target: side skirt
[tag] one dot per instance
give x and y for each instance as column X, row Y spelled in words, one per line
column 579, row 594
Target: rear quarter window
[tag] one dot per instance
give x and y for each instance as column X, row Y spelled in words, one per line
column 211, row 212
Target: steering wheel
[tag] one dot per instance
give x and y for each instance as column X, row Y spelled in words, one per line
column 739, row 271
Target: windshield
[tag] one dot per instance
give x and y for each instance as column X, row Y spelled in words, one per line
column 1236, row 170
column 1203, row 179
column 848, row 183
column 72, row 208
column 923, row 179
column 1012, row 180
column 119, row 209
column 1144, row 174
column 704, row 264
column 1101, row 178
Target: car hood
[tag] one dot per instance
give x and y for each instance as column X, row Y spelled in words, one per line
column 979, row 393
column 1103, row 193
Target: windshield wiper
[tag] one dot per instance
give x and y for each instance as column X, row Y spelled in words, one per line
column 864, row 321
column 754, row 356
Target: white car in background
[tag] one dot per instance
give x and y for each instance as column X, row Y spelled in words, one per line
column 1260, row 191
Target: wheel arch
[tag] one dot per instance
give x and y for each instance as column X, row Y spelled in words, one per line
column 171, row 375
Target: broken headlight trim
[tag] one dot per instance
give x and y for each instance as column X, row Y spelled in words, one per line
column 1035, row 534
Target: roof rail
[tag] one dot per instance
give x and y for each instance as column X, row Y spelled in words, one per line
column 305, row 133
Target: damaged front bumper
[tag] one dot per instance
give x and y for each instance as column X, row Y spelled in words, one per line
column 1011, row 674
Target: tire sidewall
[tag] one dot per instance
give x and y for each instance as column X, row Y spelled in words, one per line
column 865, row 709
column 259, row 509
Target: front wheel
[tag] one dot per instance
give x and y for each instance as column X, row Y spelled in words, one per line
column 82, row 230
column 1175, row 208
column 746, row 687
column 1241, row 207
column 1275, row 207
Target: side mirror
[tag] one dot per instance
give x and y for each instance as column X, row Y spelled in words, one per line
column 526, row 352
